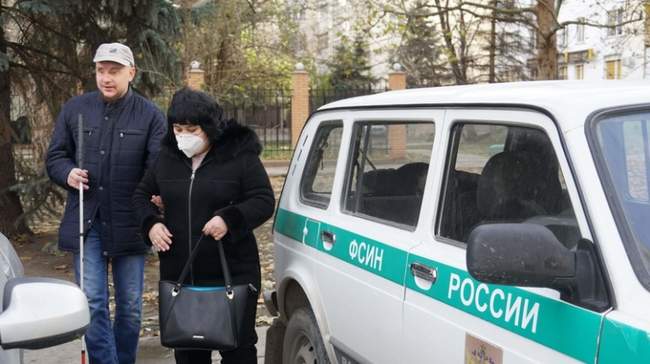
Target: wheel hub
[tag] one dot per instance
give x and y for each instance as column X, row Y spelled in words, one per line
column 305, row 351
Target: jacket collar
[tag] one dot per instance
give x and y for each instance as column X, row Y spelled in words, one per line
column 117, row 104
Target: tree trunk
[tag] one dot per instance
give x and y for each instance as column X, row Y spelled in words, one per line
column 546, row 47
column 452, row 54
column 10, row 206
column 493, row 44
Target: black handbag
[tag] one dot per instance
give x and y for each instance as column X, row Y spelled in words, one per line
column 195, row 317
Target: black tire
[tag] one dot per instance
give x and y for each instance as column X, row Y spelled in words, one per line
column 302, row 341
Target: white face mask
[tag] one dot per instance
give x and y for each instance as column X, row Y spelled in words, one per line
column 190, row 144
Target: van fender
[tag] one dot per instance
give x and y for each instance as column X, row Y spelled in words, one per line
column 299, row 277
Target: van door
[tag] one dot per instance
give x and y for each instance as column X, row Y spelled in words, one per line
column 365, row 231
column 620, row 142
column 308, row 197
column 501, row 166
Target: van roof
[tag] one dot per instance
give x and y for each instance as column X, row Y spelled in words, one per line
column 570, row 102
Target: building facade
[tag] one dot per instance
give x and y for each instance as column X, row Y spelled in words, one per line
column 610, row 42
column 323, row 23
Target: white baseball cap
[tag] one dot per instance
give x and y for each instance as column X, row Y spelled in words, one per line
column 114, row 52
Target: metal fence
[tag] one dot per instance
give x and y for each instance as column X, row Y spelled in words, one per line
column 268, row 112
column 320, row 97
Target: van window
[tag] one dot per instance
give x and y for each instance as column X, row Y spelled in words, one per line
column 634, row 134
column 388, row 170
column 623, row 146
column 477, row 144
column 504, row 174
column 320, row 167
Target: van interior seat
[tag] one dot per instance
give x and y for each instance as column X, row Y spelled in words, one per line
column 520, row 187
column 394, row 194
column 509, row 188
column 406, row 180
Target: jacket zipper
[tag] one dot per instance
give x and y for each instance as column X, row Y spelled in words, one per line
column 189, row 218
column 189, row 215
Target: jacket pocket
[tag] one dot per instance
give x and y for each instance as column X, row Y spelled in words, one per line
column 90, row 139
column 132, row 145
column 90, row 145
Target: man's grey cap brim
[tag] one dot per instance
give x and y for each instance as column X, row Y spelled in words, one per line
column 112, row 59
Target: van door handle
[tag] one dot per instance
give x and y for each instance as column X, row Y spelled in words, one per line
column 328, row 237
column 424, row 272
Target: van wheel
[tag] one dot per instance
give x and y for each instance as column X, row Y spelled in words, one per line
column 302, row 342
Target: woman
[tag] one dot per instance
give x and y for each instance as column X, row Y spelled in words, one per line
column 210, row 181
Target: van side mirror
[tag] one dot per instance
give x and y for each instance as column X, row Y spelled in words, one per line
column 41, row 312
column 519, row 254
column 530, row 255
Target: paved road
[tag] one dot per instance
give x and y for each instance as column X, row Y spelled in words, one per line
column 149, row 352
column 275, row 171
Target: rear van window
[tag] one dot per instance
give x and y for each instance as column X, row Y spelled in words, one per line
column 320, row 168
column 388, row 170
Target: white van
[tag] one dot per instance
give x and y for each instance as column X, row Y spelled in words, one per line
column 504, row 223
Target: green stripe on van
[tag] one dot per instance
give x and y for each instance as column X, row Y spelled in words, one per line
column 371, row 255
column 621, row 343
column 561, row 326
column 558, row 325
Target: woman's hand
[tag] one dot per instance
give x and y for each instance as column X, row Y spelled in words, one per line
column 216, row 228
column 160, row 237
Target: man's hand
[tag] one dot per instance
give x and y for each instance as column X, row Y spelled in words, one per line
column 77, row 176
column 160, row 237
column 216, row 228
column 157, row 200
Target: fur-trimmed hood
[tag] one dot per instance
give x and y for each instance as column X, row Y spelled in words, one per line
column 234, row 139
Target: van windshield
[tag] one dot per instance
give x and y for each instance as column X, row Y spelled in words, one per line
column 623, row 141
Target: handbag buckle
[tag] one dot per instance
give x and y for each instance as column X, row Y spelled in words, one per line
column 175, row 291
column 230, row 294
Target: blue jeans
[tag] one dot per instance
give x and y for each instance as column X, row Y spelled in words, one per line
column 116, row 343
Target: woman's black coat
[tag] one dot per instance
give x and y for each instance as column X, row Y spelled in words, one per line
column 231, row 182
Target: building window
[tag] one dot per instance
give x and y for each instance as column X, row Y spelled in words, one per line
column 580, row 71
column 580, row 30
column 563, row 38
column 562, row 73
column 533, row 39
column 614, row 22
column 647, row 24
column 613, row 69
column 322, row 41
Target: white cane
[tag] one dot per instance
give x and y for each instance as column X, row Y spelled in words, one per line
column 81, row 225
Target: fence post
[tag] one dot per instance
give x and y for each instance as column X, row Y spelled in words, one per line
column 397, row 133
column 196, row 76
column 299, row 102
column 397, row 78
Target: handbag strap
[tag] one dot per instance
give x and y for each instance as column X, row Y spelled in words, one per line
column 226, row 270
column 230, row 293
column 224, row 266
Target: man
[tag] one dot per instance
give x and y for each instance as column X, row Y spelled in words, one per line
column 121, row 138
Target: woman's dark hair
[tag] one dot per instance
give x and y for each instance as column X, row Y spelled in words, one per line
column 190, row 107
